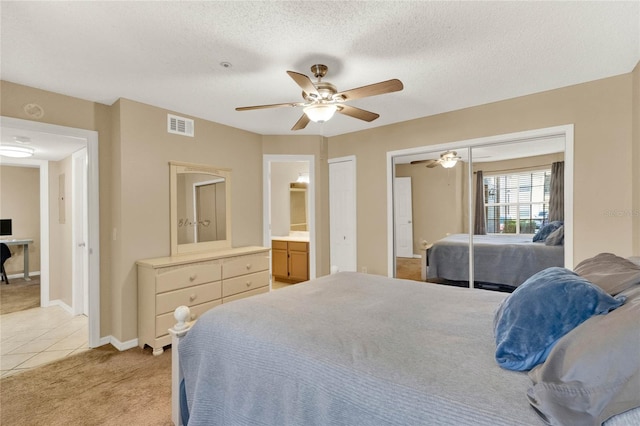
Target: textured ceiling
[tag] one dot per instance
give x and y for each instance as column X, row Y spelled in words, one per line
column 449, row 55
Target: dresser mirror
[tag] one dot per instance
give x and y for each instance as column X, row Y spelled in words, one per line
column 200, row 208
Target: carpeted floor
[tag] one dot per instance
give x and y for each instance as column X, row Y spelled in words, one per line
column 99, row 387
column 19, row 295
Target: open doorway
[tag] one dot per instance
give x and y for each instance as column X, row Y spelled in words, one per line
column 52, row 145
column 289, row 217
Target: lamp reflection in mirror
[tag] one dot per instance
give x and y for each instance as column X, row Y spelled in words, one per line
column 320, row 113
column 16, row 151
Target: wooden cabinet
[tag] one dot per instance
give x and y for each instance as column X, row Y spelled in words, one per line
column 290, row 260
column 200, row 281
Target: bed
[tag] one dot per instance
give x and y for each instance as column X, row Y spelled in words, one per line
column 350, row 349
column 503, row 260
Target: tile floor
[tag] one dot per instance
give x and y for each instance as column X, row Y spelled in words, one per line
column 275, row 285
column 38, row 336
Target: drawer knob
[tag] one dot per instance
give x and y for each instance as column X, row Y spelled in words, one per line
column 193, row 277
column 193, row 297
column 248, row 266
column 248, row 283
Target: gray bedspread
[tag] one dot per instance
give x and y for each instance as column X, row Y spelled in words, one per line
column 352, row 349
column 498, row 258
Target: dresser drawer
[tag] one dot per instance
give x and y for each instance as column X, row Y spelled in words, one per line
column 177, row 277
column 169, row 301
column 237, row 266
column 246, row 294
column 165, row 321
column 244, row 283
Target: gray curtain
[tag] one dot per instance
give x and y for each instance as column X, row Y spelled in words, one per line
column 479, row 220
column 556, row 192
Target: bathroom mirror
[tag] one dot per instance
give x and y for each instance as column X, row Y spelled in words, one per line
column 200, row 208
column 298, row 206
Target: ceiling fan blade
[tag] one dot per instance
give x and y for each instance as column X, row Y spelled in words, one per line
column 383, row 87
column 290, row 104
column 304, row 82
column 358, row 113
column 301, row 123
column 434, row 164
column 422, row 161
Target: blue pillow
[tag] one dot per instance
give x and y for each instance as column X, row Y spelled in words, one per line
column 543, row 309
column 556, row 238
column 547, row 229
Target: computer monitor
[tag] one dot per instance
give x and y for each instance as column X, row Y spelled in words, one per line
column 5, row 227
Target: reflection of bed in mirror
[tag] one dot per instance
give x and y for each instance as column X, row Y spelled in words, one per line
column 500, row 260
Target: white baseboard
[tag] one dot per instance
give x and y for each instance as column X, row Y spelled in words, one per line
column 21, row 275
column 121, row 346
column 63, row 305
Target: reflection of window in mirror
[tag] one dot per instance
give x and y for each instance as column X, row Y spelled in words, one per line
column 298, row 206
column 517, row 202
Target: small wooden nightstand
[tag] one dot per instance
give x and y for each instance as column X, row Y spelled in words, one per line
column 424, row 252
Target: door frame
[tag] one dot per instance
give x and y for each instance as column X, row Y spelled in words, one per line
column 79, row 213
column 93, row 213
column 267, row 159
column 565, row 131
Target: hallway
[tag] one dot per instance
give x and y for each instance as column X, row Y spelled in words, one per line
column 34, row 337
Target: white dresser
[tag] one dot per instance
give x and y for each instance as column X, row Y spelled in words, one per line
column 200, row 281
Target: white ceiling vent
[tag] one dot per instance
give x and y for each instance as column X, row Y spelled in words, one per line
column 180, row 125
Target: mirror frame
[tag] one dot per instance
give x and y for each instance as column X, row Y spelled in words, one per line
column 176, row 167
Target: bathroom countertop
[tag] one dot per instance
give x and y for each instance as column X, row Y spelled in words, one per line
column 293, row 236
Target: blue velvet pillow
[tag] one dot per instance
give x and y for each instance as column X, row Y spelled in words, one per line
column 546, row 230
column 539, row 312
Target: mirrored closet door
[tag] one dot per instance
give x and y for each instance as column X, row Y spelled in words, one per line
column 486, row 216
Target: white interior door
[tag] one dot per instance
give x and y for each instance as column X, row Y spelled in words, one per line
column 80, row 231
column 342, row 214
column 403, row 217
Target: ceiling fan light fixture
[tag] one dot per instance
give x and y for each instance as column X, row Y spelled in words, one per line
column 448, row 163
column 16, row 151
column 320, row 113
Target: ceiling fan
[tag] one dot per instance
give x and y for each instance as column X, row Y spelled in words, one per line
column 447, row 160
column 322, row 99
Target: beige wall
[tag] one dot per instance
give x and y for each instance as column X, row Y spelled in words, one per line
column 636, row 158
column 437, row 201
column 60, row 232
column 535, row 162
column 134, row 150
column 142, row 149
column 73, row 112
column 601, row 113
column 20, row 201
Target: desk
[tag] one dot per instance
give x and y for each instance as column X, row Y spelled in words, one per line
column 25, row 248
